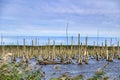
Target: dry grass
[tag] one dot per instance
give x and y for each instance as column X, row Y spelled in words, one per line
column 63, row 52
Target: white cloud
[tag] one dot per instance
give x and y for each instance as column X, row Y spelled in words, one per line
column 65, row 7
column 42, row 17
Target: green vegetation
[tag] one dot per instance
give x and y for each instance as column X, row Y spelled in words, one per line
column 18, row 71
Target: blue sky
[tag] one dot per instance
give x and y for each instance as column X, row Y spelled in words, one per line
column 50, row 17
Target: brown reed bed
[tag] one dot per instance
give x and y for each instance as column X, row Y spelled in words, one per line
column 62, row 54
column 57, row 54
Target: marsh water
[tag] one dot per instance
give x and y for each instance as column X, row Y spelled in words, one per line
column 88, row 70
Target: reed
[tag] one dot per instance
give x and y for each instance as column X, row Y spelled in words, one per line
column 79, row 55
column 72, row 52
column 118, row 47
column 118, row 52
column 86, row 51
column 102, row 51
column 106, row 51
column 48, row 49
column 53, row 55
column 2, row 44
column 18, row 54
column 61, row 49
column 1, row 39
column 64, row 53
column 112, row 51
column 79, row 44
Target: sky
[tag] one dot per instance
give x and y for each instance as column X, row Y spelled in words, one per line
column 50, row 17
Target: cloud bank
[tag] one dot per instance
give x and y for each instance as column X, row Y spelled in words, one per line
column 50, row 17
